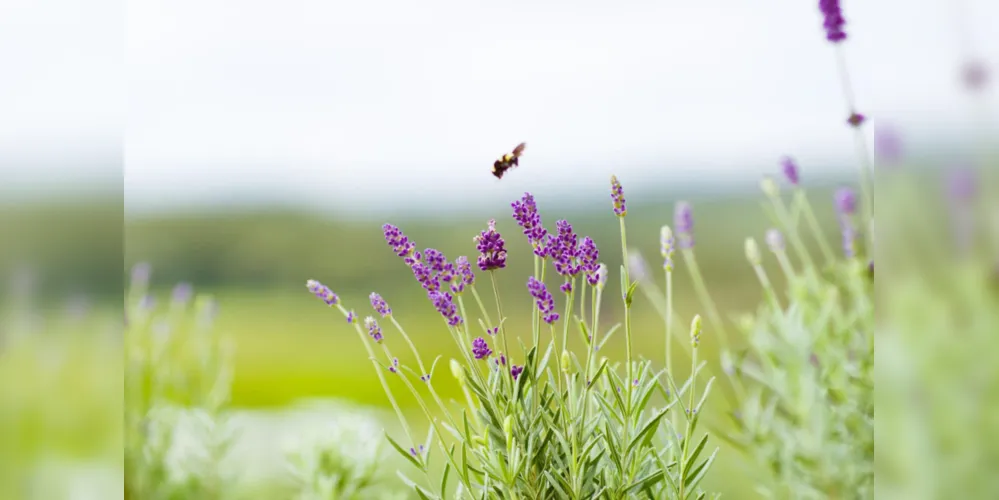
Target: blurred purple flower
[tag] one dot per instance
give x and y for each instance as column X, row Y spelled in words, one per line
column 683, row 223
column 832, row 20
column 491, row 247
column 975, row 75
column 887, row 145
column 140, row 275
column 444, row 304
column 846, row 201
column 775, row 240
column 351, row 316
column 515, row 371
column 790, row 169
column 182, row 293
column 394, row 368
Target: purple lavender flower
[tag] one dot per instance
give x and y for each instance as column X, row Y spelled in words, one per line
column 429, row 280
column 351, row 317
column 887, row 145
column 140, row 275
column 322, row 292
column 961, row 185
column 544, row 300
column 480, row 348
column 434, row 259
column 667, row 245
column 566, row 287
column 444, row 304
column 379, row 304
column 425, row 378
column 588, row 255
column 492, row 331
column 182, row 293
column 846, row 201
column 833, row 21
column 525, row 212
column 465, row 276
column 398, row 241
column 790, row 169
column 617, row 197
column 374, row 330
column 563, row 248
column 491, row 247
column 683, row 222
column 856, row 119
column 515, row 371
column 414, row 452
column 601, row 276
column 395, row 366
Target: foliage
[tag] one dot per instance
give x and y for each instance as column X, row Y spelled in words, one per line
column 560, row 424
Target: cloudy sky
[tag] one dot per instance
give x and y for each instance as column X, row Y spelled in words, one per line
column 339, row 103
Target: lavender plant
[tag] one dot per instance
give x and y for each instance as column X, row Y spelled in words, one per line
column 177, row 375
column 539, row 420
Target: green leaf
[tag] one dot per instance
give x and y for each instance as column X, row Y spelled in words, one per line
column 647, row 433
column 647, row 481
column 405, row 454
column 631, row 293
column 700, row 472
column 694, row 454
column 447, row 470
column 609, row 334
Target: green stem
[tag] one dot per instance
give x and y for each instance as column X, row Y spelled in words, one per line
column 806, row 206
column 627, row 310
column 792, row 231
column 860, row 143
column 499, row 309
column 768, row 289
column 687, row 438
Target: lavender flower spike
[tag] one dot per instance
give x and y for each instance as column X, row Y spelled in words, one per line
column 399, row 242
column 491, row 247
column 464, row 276
column 846, row 201
column 667, row 244
column 790, row 169
column 323, row 292
column 374, row 330
column 833, row 21
column 182, row 293
column 617, row 197
column 379, row 305
column 683, row 223
column 525, row 212
column 544, row 300
column 480, row 348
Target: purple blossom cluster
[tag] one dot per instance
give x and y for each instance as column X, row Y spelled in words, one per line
column 617, row 197
column 833, row 21
column 480, row 349
column 491, row 247
column 525, row 212
column 683, row 223
column 516, row 370
column 323, row 292
column 544, row 300
column 431, row 268
column 374, row 330
column 379, row 305
column 790, row 169
column 395, row 366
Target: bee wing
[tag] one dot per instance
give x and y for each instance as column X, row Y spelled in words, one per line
column 519, row 150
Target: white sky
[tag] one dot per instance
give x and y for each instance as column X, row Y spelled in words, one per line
column 339, row 102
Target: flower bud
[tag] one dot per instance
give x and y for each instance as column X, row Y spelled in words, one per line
column 769, row 187
column 753, row 252
column 695, row 330
column 565, row 361
column 458, row 372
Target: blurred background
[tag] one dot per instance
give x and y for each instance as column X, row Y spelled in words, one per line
column 263, row 143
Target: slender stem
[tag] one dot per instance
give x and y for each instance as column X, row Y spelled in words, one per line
column 860, row 142
column 785, row 264
column 690, row 419
column 669, row 331
column 381, row 376
column 627, row 308
column 768, row 289
column 706, row 302
column 499, row 309
column 792, row 231
column 412, row 347
column 423, row 371
column 482, row 307
column 569, row 299
column 820, row 237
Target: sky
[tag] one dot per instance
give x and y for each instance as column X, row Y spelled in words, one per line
column 397, row 103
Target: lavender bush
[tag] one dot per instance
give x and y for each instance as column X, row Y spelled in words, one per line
column 539, row 420
column 177, row 374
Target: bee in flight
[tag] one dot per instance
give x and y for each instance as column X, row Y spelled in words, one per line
column 508, row 161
